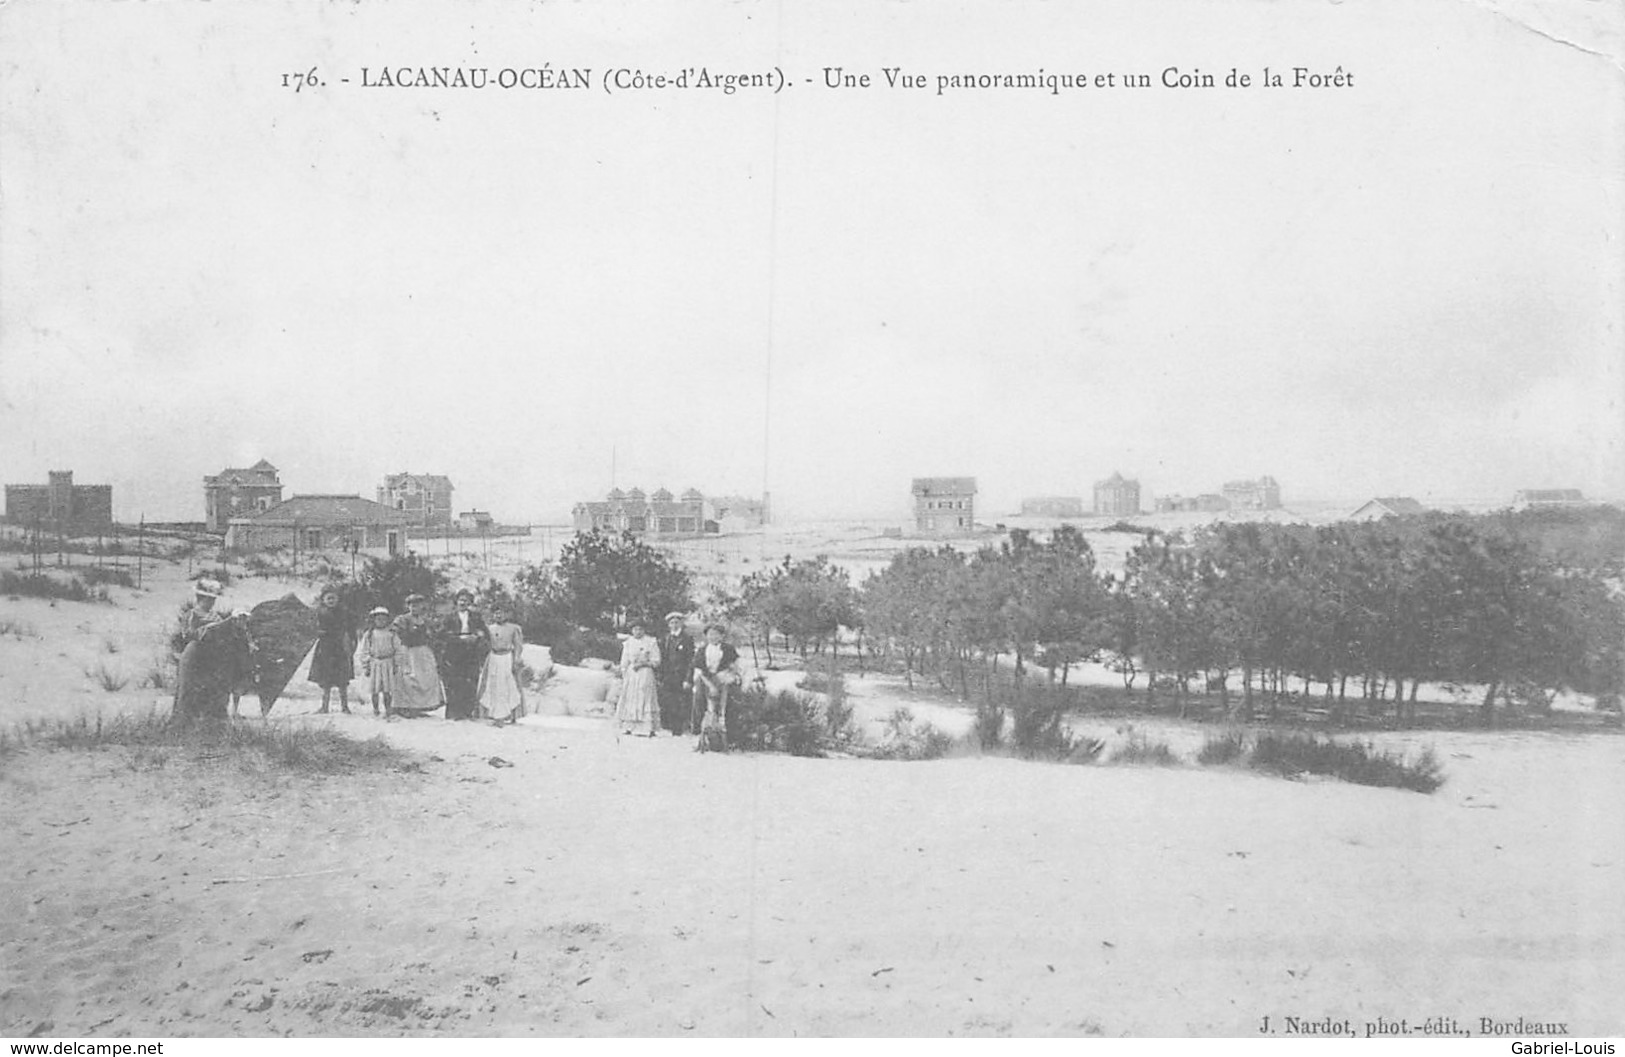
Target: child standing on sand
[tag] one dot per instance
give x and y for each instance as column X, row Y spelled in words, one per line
column 378, row 656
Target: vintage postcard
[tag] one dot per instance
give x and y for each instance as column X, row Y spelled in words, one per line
column 812, row 519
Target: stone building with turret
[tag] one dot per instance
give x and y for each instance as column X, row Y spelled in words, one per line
column 60, row 505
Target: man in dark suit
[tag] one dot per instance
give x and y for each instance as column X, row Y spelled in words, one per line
column 674, row 675
column 463, row 643
column 716, row 672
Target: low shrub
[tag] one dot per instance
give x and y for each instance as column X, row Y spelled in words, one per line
column 989, row 725
column 1228, row 747
column 18, row 629
column 838, row 711
column 1142, row 751
column 1362, row 763
column 108, row 574
column 814, row 682
column 260, row 566
column 788, row 721
column 39, row 585
column 578, row 644
column 909, row 739
column 1038, row 729
column 1085, row 749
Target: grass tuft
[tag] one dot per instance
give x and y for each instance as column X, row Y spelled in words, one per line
column 107, row 678
column 160, row 674
column 156, row 739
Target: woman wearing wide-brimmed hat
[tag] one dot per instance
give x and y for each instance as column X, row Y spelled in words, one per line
column 202, row 682
column 638, row 710
column 419, row 690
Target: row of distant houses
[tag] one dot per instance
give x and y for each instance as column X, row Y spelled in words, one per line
column 1527, row 499
column 660, row 513
column 1118, row 496
column 422, row 499
column 245, row 505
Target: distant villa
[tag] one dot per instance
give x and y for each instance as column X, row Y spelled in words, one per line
column 944, row 506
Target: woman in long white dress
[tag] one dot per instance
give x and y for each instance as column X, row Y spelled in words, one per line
column 638, row 711
column 502, row 699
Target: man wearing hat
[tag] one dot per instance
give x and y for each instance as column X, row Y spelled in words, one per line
column 463, row 643
column 716, row 673
column 674, row 675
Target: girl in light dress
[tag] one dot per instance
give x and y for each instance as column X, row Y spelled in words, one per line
column 378, row 655
column 502, row 697
column 638, row 711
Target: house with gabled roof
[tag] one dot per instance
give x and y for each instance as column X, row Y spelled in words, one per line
column 656, row 514
column 239, row 492
column 1547, row 498
column 1388, row 506
column 425, row 498
column 320, row 522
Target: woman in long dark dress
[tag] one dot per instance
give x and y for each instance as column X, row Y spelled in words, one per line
column 332, row 666
column 463, row 644
column 202, row 682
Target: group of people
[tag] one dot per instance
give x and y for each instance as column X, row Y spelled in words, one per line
column 674, row 683
column 414, row 663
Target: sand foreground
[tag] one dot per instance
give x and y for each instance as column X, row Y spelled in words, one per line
column 638, row 888
column 634, row 887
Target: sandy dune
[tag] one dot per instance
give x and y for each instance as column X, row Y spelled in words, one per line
column 635, row 887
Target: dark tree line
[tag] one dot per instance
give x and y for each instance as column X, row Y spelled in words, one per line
column 1351, row 615
column 1348, row 612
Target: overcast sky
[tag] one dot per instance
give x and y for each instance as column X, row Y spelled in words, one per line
column 1408, row 286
